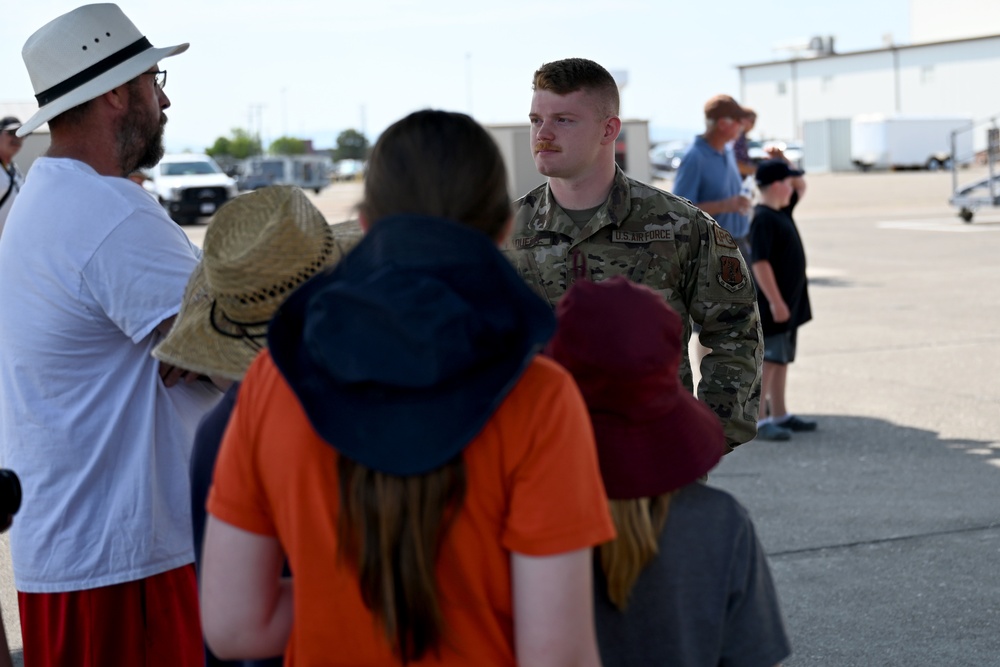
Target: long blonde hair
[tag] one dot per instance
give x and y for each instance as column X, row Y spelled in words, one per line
column 638, row 522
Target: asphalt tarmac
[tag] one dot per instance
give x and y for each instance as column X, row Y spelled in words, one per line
column 882, row 527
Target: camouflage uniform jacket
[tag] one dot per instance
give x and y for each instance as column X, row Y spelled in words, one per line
column 659, row 240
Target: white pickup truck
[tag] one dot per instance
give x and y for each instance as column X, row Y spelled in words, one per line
column 191, row 185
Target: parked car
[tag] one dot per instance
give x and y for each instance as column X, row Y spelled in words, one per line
column 666, row 157
column 348, row 170
column 792, row 150
column 756, row 151
column 190, row 185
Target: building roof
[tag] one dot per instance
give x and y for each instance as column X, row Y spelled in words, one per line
column 883, row 49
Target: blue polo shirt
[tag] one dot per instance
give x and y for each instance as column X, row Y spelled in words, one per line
column 706, row 174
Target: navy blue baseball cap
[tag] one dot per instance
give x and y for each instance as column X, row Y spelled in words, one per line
column 772, row 171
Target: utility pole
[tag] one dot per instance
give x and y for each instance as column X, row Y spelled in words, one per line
column 284, row 112
column 468, row 81
column 255, row 124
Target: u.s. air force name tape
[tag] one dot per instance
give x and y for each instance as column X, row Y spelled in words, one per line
column 648, row 236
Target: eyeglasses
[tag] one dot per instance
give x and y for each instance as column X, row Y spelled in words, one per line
column 159, row 77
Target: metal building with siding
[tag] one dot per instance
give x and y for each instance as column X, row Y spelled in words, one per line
column 949, row 69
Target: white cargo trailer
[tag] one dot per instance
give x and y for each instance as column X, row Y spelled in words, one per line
column 309, row 172
column 881, row 141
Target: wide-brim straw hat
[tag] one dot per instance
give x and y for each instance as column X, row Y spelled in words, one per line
column 622, row 344
column 82, row 55
column 258, row 249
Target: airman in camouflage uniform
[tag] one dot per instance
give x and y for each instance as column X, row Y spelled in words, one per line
column 591, row 222
column 662, row 241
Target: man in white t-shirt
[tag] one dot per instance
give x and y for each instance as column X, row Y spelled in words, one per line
column 11, row 180
column 92, row 272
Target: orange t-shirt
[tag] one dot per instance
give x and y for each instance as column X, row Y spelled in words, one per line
column 533, row 487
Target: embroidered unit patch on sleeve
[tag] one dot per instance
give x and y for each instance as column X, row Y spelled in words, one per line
column 724, row 238
column 731, row 272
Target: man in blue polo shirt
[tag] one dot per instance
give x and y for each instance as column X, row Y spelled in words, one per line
column 708, row 175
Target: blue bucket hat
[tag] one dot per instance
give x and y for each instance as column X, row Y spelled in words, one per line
column 401, row 353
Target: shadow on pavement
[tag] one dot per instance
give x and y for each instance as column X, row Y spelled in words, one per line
column 883, row 540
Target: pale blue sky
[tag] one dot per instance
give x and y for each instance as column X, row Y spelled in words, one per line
column 313, row 68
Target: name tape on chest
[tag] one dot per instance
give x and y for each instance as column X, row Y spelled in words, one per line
column 531, row 242
column 649, row 236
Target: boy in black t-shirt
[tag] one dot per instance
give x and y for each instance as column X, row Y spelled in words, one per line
column 779, row 268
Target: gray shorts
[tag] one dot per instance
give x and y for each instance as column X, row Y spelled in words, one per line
column 780, row 348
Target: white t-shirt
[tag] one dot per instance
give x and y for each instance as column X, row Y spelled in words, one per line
column 89, row 266
column 11, row 183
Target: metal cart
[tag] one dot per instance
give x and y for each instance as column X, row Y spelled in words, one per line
column 986, row 191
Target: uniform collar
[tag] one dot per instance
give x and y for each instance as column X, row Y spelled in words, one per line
column 612, row 212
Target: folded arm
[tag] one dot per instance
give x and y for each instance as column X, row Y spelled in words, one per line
column 170, row 374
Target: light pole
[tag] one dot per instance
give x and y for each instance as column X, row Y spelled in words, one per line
column 254, row 124
column 468, row 81
column 284, row 111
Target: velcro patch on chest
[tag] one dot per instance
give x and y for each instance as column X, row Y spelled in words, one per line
column 647, row 236
column 731, row 273
column 532, row 241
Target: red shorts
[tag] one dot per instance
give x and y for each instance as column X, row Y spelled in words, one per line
column 151, row 622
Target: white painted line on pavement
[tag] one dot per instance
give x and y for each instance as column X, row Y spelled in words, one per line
column 939, row 225
column 824, row 272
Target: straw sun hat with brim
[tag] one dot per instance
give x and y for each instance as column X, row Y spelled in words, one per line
column 258, row 248
column 622, row 344
column 82, row 55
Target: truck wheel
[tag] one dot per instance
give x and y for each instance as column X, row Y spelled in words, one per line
column 965, row 214
column 934, row 164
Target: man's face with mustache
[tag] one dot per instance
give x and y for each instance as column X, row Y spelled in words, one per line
column 567, row 133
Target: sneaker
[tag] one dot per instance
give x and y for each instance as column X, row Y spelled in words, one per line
column 771, row 431
column 797, row 424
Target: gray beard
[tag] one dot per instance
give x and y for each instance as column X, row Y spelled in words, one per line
column 139, row 147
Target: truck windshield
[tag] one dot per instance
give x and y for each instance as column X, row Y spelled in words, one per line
column 187, row 168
